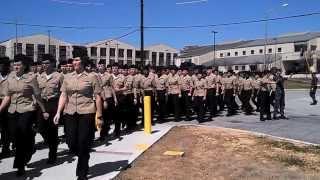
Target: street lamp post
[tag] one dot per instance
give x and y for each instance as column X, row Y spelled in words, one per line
column 266, row 34
column 214, row 47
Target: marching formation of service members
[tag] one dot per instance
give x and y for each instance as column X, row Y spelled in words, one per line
column 83, row 97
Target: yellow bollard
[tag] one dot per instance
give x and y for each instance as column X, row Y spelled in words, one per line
column 147, row 114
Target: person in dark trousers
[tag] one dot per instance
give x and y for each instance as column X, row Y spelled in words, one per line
column 174, row 93
column 81, row 102
column 213, row 87
column 246, row 88
column 279, row 99
column 21, row 90
column 265, row 97
column 229, row 92
column 313, row 88
column 161, row 95
column 186, row 91
column 50, row 83
column 6, row 137
column 199, row 96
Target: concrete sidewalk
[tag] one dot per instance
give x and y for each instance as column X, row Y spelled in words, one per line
column 105, row 161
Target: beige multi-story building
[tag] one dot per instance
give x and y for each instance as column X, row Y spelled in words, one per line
column 112, row 51
column 35, row 46
column 293, row 53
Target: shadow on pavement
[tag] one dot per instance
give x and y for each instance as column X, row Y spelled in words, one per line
column 107, row 167
column 38, row 167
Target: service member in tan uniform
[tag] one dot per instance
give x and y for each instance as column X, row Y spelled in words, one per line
column 6, row 135
column 256, row 88
column 80, row 101
column 128, row 91
column 265, row 89
column 147, row 84
column 109, row 98
column 212, row 92
column 162, row 94
column 186, row 83
column 229, row 91
column 174, row 93
column 21, row 90
column 50, row 83
column 246, row 88
column 199, row 96
column 119, row 87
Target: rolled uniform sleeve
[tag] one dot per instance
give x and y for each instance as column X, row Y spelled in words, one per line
column 97, row 89
column 35, row 87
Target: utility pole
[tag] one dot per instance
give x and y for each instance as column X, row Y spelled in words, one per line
column 49, row 41
column 214, row 47
column 16, row 46
column 142, row 31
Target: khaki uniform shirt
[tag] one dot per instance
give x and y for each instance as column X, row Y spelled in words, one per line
column 22, row 91
column 212, row 81
column 3, row 85
column 255, row 83
column 186, row 83
column 162, row 82
column 106, row 84
column 228, row 82
column 148, row 83
column 200, row 87
column 173, row 84
column 81, row 90
column 264, row 84
column 128, row 84
column 118, row 83
column 247, row 84
column 50, row 85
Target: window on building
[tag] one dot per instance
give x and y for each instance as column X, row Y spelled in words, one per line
column 41, row 51
column 129, row 53
column 300, row 47
column 270, row 50
column 313, row 47
column 120, row 62
column 112, row 52
column 235, row 53
column 260, row 51
column 103, row 52
column 138, row 54
column 18, row 48
column 236, row 68
column 168, row 59
column 129, row 62
column 228, row 54
column 93, row 51
column 30, row 50
column 121, row 53
column 154, row 58
column 244, row 53
column 2, row 51
column 279, row 50
column 112, row 61
column 161, row 59
column 221, row 54
column 243, row 68
column 62, row 52
column 175, row 56
column 252, row 51
column 53, row 50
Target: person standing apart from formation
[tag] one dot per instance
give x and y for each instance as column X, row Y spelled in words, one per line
column 80, row 100
column 313, row 88
column 21, row 90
